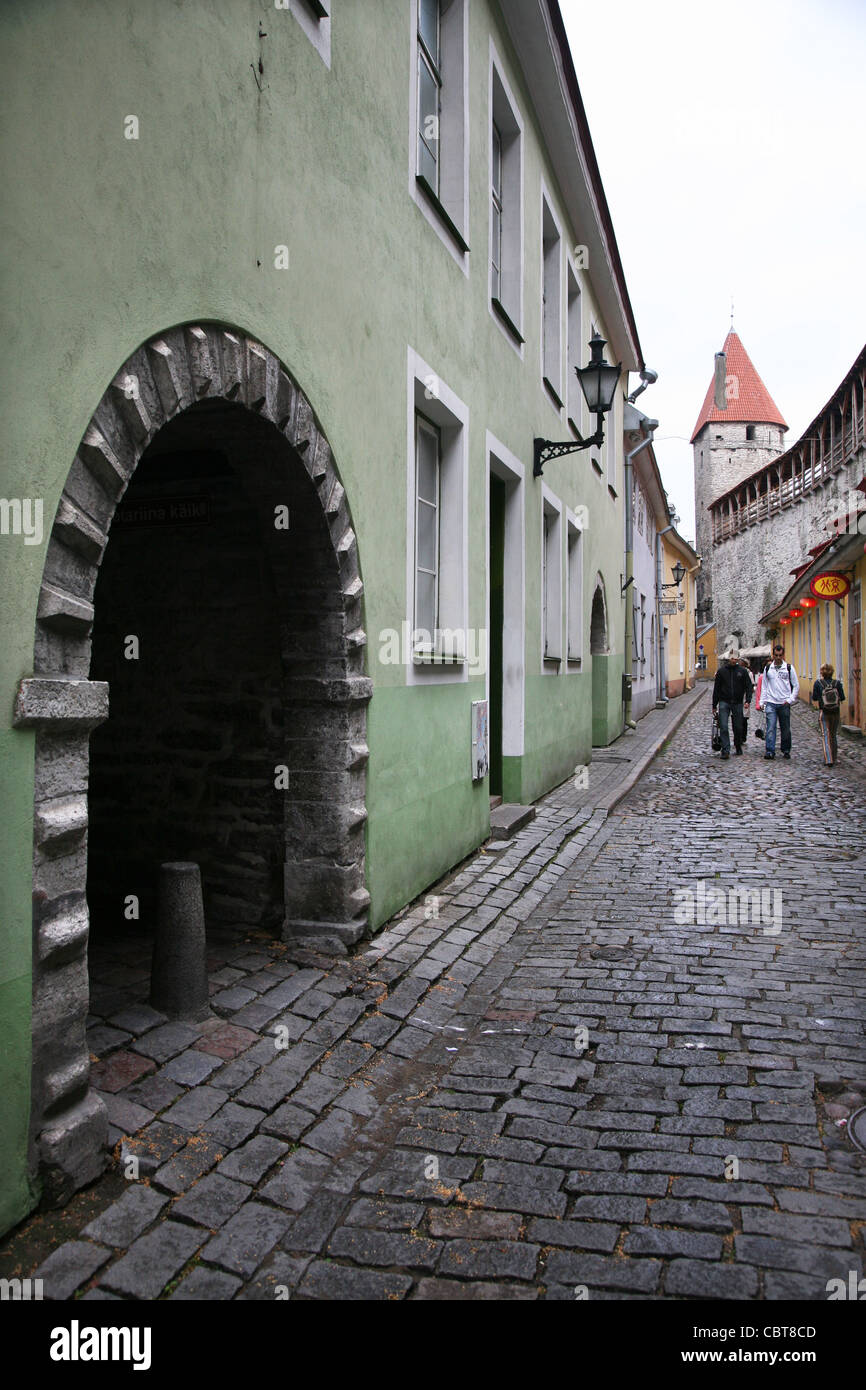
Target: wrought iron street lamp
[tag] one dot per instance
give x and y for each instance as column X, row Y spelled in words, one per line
column 598, row 381
column 678, row 572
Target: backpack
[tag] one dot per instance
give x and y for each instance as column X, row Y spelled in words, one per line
column 829, row 696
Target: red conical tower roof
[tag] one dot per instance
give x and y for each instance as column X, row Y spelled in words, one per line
column 752, row 403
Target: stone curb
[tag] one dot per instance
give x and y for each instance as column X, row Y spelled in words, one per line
column 615, row 795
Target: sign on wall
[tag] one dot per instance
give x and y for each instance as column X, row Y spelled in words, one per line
column 480, row 750
column 830, row 584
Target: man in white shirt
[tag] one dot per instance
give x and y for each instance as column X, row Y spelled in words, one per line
column 778, row 692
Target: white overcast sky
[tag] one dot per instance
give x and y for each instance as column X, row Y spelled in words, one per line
column 730, row 140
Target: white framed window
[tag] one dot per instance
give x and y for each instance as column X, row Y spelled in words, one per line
column 702, row 661
column 652, row 645
column 428, row 453
column 551, row 579
column 574, row 401
column 574, row 589
column 642, row 633
column 314, row 17
column 506, row 206
column 551, row 302
column 439, row 106
column 435, row 640
column 612, row 440
column 682, row 651
column 641, row 511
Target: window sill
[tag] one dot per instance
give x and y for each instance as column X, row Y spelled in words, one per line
column 506, row 318
column 552, row 392
column 432, row 656
column 439, row 208
column 554, row 662
column 575, row 663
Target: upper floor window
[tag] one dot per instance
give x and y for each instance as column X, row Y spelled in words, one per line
column 574, row 395
column 440, row 117
column 506, row 206
column 496, row 215
column 551, row 306
column 429, row 92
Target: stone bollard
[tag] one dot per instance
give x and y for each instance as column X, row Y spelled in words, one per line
column 178, row 976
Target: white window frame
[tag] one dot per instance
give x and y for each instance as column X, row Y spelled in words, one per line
column 574, row 616
column 502, row 464
column 446, row 209
column 551, row 582
column 612, row 431
column 575, row 405
column 506, row 307
column 425, row 427
column 314, row 17
column 431, row 397
column 550, row 235
column 682, row 651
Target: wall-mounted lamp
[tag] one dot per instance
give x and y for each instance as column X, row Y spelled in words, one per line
column 598, row 382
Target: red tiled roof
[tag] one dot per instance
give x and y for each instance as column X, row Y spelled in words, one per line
column 753, row 402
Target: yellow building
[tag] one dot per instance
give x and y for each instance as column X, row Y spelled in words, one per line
column 707, row 661
column 817, row 626
column 678, row 626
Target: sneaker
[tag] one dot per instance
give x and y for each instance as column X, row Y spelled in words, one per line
column 786, row 755
column 725, row 757
column 768, row 757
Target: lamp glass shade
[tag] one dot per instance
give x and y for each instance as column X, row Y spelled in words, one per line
column 678, row 571
column 598, row 379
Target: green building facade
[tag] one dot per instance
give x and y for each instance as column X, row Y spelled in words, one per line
column 288, row 293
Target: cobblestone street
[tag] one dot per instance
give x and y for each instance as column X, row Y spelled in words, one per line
column 593, row 1074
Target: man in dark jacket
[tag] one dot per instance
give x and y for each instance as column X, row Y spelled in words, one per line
column 731, row 689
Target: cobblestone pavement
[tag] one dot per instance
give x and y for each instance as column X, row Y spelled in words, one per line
column 593, row 1073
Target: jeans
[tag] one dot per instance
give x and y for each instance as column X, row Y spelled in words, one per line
column 735, row 712
column 828, row 723
column 780, row 714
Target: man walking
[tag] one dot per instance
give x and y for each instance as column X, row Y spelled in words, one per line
column 778, row 693
column 731, row 688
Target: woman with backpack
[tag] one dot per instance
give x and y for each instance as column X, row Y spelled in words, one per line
column 828, row 695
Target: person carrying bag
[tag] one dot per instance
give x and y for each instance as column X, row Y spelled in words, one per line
column 828, row 695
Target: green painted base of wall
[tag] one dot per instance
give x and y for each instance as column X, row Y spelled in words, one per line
column 607, row 707
column 17, row 1196
column 512, row 780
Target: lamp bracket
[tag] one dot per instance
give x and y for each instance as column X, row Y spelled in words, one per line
column 544, row 449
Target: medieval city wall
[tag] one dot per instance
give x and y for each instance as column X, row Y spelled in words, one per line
column 752, row 570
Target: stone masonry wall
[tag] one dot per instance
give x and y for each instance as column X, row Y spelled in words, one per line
column 752, row 570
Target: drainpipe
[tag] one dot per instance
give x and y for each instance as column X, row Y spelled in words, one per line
column 661, row 678
column 650, row 426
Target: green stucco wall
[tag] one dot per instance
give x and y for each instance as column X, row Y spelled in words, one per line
column 108, row 242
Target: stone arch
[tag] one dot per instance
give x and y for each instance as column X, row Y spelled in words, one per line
column 598, row 638
column 178, row 371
